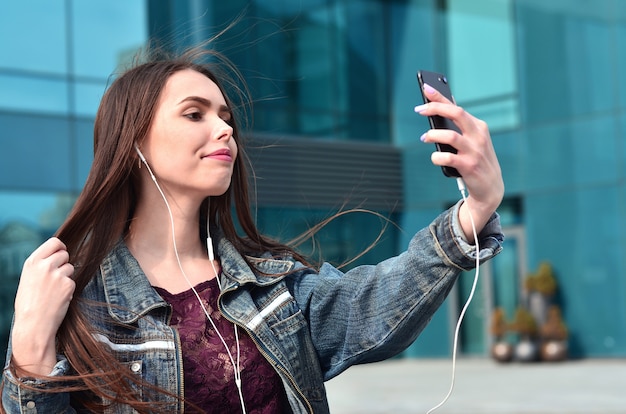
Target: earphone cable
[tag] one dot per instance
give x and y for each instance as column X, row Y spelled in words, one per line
column 463, row 191
column 236, row 366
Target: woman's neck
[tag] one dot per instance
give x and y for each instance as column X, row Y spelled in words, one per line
column 173, row 263
column 160, row 227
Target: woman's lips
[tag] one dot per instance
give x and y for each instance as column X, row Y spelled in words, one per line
column 222, row 155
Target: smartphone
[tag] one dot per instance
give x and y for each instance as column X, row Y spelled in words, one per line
column 440, row 83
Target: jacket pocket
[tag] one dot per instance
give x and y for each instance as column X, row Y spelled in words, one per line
column 290, row 333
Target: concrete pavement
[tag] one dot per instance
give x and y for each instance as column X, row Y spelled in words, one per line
column 482, row 386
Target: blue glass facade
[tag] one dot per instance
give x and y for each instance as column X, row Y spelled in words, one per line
column 544, row 75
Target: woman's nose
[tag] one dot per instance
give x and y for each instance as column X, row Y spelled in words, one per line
column 223, row 131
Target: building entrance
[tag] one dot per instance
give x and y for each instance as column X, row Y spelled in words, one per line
column 500, row 284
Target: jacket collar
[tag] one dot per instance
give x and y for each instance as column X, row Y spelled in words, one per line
column 127, row 290
column 129, row 294
column 236, row 271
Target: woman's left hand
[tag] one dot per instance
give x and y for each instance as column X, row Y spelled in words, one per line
column 475, row 159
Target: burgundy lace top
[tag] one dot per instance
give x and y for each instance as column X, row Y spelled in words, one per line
column 208, row 370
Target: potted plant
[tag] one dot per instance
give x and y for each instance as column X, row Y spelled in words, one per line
column 525, row 326
column 554, row 336
column 540, row 287
column 501, row 349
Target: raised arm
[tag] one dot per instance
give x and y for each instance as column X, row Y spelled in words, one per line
column 372, row 312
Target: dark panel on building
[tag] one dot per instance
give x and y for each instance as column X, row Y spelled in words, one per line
column 314, row 173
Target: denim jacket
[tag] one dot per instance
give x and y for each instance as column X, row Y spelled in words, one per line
column 311, row 326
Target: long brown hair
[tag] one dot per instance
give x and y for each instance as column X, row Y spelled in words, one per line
column 101, row 214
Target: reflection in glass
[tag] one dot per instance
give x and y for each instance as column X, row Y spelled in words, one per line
column 295, row 94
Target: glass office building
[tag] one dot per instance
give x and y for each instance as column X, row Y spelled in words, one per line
column 333, row 84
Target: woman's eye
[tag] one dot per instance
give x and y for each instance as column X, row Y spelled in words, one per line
column 194, row 116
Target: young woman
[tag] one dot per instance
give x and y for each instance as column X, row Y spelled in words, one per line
column 149, row 300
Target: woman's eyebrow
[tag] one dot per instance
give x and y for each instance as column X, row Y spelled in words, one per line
column 204, row 102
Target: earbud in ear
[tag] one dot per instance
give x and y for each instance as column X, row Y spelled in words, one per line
column 143, row 159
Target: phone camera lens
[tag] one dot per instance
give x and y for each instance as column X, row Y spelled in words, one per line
column 443, row 79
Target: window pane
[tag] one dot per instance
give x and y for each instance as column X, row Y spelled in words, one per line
column 363, row 66
column 481, row 55
column 87, row 97
column 569, row 60
column 33, row 36
column 106, row 34
column 35, row 152
column 410, row 24
column 25, row 93
column 361, row 70
column 322, row 65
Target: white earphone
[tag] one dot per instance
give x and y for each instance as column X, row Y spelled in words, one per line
column 209, row 244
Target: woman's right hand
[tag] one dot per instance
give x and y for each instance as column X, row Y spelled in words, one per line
column 43, row 296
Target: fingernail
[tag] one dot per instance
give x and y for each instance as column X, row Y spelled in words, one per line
column 423, row 137
column 429, row 89
column 420, row 108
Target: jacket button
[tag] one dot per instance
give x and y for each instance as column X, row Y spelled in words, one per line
column 135, row 367
column 30, row 404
